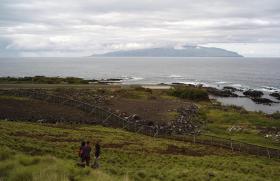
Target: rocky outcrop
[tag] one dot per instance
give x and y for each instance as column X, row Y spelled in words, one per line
column 276, row 95
column 187, row 122
column 259, row 100
column 270, row 132
column 221, row 93
column 253, row 93
column 233, row 89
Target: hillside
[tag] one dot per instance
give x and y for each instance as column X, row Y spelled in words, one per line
column 39, row 138
column 125, row 156
column 185, row 51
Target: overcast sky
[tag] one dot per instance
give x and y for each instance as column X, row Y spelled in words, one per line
column 85, row 27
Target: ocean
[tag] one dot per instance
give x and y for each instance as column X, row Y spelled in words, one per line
column 243, row 73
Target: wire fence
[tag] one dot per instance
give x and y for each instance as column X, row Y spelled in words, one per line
column 107, row 118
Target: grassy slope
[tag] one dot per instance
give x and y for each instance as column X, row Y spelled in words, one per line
column 222, row 118
column 16, row 166
column 219, row 118
column 125, row 156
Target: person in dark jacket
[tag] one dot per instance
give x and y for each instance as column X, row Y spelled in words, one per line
column 97, row 155
column 86, row 153
column 81, row 149
column 97, row 150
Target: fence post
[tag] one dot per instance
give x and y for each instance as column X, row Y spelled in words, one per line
column 268, row 154
column 239, row 147
column 123, row 123
column 231, row 145
column 194, row 138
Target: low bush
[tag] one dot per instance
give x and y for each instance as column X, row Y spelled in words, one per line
column 27, row 161
column 22, row 167
column 140, row 88
column 5, row 154
column 276, row 115
column 6, row 168
column 21, row 174
column 192, row 93
column 44, row 80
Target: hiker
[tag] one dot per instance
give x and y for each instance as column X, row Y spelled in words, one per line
column 97, row 150
column 86, row 153
column 80, row 153
column 97, row 155
column 81, row 149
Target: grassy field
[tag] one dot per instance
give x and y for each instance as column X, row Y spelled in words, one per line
column 238, row 124
column 159, row 105
column 33, row 151
column 47, row 151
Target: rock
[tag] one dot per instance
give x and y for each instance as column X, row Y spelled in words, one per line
column 211, row 174
column 253, row 93
column 41, row 121
column 177, row 83
column 230, row 88
column 262, row 101
column 124, row 114
column 136, row 117
column 221, row 93
column 276, row 95
column 199, row 85
column 114, row 79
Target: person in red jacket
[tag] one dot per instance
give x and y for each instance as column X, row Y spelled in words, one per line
column 86, row 153
column 81, row 149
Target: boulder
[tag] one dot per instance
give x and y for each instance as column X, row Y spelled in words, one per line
column 253, row 93
column 221, row 93
column 276, row 95
column 230, row 88
column 259, row 100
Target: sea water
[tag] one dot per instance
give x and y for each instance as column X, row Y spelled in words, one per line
column 243, row 73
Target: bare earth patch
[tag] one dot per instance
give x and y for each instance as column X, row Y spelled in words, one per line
column 34, row 110
column 153, row 110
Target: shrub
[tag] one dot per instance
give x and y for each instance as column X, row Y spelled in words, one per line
column 276, row 115
column 192, row 93
column 26, row 161
column 6, row 168
column 140, row 88
column 22, row 174
column 5, row 154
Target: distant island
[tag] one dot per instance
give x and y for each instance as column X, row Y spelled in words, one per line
column 184, row 51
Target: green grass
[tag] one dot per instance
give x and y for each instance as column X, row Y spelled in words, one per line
column 221, row 118
column 125, row 156
column 22, row 167
column 42, row 80
column 13, row 97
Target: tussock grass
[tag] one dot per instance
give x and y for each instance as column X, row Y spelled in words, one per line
column 125, row 156
column 22, row 167
column 221, row 118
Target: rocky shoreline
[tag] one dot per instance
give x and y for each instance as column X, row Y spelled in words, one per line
column 258, row 97
column 255, row 95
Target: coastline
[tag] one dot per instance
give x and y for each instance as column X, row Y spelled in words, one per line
column 230, row 96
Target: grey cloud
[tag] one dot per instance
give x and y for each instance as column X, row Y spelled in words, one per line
column 90, row 26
